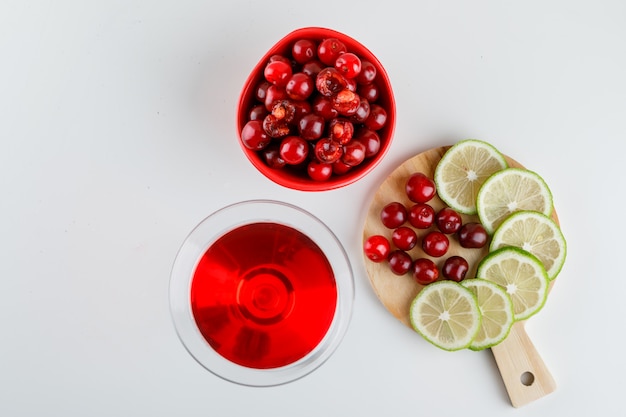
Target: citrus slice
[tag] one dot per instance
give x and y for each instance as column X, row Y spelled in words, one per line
column 508, row 191
column 535, row 233
column 446, row 314
column 521, row 275
column 496, row 309
column 463, row 169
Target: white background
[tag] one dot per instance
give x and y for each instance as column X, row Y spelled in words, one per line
column 118, row 136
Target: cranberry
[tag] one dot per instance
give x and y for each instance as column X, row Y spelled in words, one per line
column 324, row 107
column 347, row 102
column 376, row 248
column 328, row 151
column 404, row 238
column 455, row 268
column 400, row 262
column 311, row 126
column 341, row 130
column 425, row 271
column 277, row 72
column 448, row 220
column 393, row 215
column 348, row 64
column 472, row 235
column 329, row 49
column 299, row 86
column 370, row 139
column 435, row 244
column 329, row 81
column 253, row 135
column 272, row 157
column 294, row 150
column 421, row 215
column 274, row 127
column 377, row 117
column 367, row 74
column 353, row 153
column 420, row 188
column 319, row 171
column 303, row 51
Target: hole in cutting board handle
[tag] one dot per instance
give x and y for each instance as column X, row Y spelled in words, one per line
column 527, row 378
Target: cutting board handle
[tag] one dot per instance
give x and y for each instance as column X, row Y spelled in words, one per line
column 524, row 373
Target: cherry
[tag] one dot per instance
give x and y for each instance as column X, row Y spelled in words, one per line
column 367, row 74
column 324, row 107
column 329, row 81
column 421, row 215
column 425, row 271
column 341, row 130
column 353, row 153
column 376, row 248
column 448, row 220
column 377, row 117
column 348, row 64
column 271, row 155
column 284, row 110
column 257, row 112
column 294, row 150
column 253, row 136
column 435, row 244
column 277, row 72
column 362, row 111
column 400, row 262
column 328, row 151
column 347, row 102
column 340, row 168
column 311, row 126
column 274, row 94
column 455, row 268
column 299, row 86
column 420, row 188
column 329, row 49
column 404, row 238
column 319, row 171
column 303, row 51
column 261, row 90
column 472, row 235
column 312, row 68
column 274, row 127
column 393, row 215
column 368, row 92
column 370, row 139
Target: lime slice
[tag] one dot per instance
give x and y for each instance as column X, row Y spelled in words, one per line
column 496, row 310
column 508, row 191
column 535, row 233
column 521, row 275
column 463, row 169
column 446, row 314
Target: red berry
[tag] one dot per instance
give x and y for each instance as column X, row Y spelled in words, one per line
column 347, row 102
column 376, row 248
column 329, row 81
column 472, row 235
column 421, row 215
column 420, row 188
column 341, row 130
column 328, row 151
column 448, row 220
column 362, row 112
column 274, row 127
column 311, row 126
column 400, row 262
column 299, row 86
column 303, row 51
column 294, row 150
column 312, row 68
column 435, row 244
column 323, row 106
column 455, row 268
column 370, row 139
column 404, row 238
column 369, row 92
column 393, row 215
column 348, row 64
column 377, row 118
column 272, row 157
column 367, row 74
column 329, row 49
column 274, row 94
column 353, row 153
column 277, row 72
column 319, row 171
column 253, row 136
column 339, row 168
column 425, row 271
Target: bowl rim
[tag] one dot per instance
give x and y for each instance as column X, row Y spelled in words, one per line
column 304, row 184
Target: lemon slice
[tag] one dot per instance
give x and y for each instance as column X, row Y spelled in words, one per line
column 446, row 314
column 521, row 275
column 508, row 191
column 463, row 169
column 496, row 309
column 535, row 233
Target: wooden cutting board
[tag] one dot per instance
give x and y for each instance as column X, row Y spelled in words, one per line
column 524, row 373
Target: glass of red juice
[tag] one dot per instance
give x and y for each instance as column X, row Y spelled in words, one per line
column 261, row 293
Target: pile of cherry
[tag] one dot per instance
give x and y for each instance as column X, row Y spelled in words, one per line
column 316, row 109
column 438, row 228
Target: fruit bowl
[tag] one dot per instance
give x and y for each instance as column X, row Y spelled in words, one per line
column 358, row 92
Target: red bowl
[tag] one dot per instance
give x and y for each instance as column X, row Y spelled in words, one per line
column 298, row 179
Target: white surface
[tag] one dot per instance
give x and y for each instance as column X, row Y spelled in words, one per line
column 117, row 130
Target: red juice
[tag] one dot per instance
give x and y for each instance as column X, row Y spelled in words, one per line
column 263, row 295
